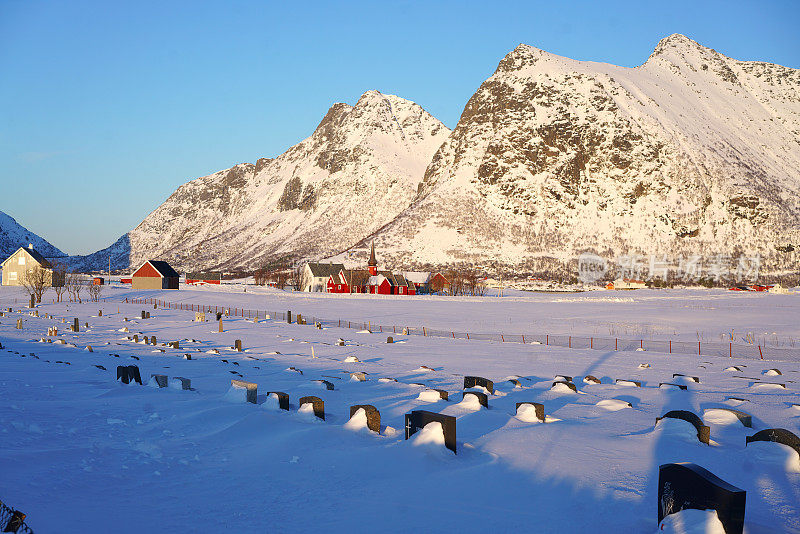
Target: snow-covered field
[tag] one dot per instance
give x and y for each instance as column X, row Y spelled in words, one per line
column 83, row 452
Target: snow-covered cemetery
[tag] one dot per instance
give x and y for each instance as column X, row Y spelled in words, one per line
column 561, row 297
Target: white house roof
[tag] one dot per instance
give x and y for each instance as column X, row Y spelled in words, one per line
column 418, row 277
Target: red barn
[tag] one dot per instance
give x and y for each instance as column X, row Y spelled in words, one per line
column 337, row 284
column 155, row 274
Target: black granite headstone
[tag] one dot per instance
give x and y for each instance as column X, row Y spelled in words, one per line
column 688, row 486
column 373, row 416
column 472, row 381
column 679, row 386
column 283, row 399
column 636, row 383
column 538, row 407
column 317, row 403
column 128, row 373
column 778, row 435
column 76, row 325
column 694, row 378
column 703, row 432
column 745, row 418
column 419, row 418
column 562, row 378
column 483, row 399
column 144, row 316
column 186, row 383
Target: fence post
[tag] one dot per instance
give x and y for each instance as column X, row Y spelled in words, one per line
column 730, row 350
column 698, row 348
column 761, row 353
column 570, row 341
column 616, row 344
column 547, row 339
column 591, row 342
column 523, row 339
column 670, row 346
column 502, row 338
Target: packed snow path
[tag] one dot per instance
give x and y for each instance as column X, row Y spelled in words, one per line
column 82, row 450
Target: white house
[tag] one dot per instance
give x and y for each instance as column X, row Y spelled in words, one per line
column 315, row 276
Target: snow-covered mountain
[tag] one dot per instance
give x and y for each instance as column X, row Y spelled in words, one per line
column 690, row 153
column 13, row 235
column 354, row 174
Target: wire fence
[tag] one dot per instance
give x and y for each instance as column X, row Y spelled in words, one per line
column 718, row 349
column 13, row 520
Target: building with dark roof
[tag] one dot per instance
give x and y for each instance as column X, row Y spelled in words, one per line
column 155, row 274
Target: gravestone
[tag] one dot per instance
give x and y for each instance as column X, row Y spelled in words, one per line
column 703, row 432
column 155, row 306
column 685, row 486
column 693, row 378
column 538, row 407
column 563, row 378
column 442, row 393
column 679, row 386
column 289, row 317
column 745, row 418
column 483, row 399
column 299, row 318
column 570, row 385
column 89, row 348
column 515, row 382
column 219, row 316
column 153, row 340
column 252, row 389
column 147, row 315
column 144, row 316
column 199, row 317
column 161, row 380
column 590, row 379
column 776, row 371
column 328, row 385
column 128, row 373
column 186, row 383
column 473, row 381
column 176, row 345
column 317, row 403
column 135, row 338
column 340, row 342
column 187, row 356
column 778, row 435
column 373, row 416
column 283, row 399
column 237, row 345
column 636, row 383
column 390, row 339
column 76, row 325
column 100, row 313
column 359, row 375
column 296, row 370
column 419, row 418
column 19, row 324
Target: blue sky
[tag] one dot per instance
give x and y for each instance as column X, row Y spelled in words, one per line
column 107, row 107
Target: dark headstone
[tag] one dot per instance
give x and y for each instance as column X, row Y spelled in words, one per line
column 483, row 399
column 419, row 418
column 76, row 325
column 135, row 338
column 147, row 315
column 473, row 381
column 703, row 432
column 328, row 385
column 443, row 394
column 237, row 344
column 128, row 373
column 219, row 316
column 688, row 486
column 283, row 399
column 538, row 407
column 296, row 370
column 135, row 357
column 390, row 339
column 187, row 356
column 317, row 403
column 636, row 383
column 778, row 435
column 252, row 389
column 358, row 375
column 176, row 345
column 17, row 518
column 745, row 418
column 186, row 383
column 570, row 385
column 694, row 378
column 289, row 317
column 152, row 340
column 100, row 313
column 161, row 380
column 775, row 371
column 373, row 416
column 591, row 379
column 144, row 314
column 679, row 386
column 514, row 382
column 562, row 378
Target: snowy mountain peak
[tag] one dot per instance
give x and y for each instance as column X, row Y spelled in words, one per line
column 13, row 235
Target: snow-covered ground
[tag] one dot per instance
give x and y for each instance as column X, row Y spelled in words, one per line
column 83, row 452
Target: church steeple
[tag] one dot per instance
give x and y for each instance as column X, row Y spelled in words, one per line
column 372, row 263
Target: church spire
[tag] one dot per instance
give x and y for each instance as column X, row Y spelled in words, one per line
column 372, row 263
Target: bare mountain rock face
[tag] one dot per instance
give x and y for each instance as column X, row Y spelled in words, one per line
column 354, row 174
column 689, row 153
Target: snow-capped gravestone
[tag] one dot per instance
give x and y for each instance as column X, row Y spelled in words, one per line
column 684, row 486
column 478, row 381
column 199, row 317
column 417, row 419
column 372, row 414
column 538, row 409
column 745, row 418
column 129, row 373
column 283, row 399
column 483, row 399
column 184, row 383
column 777, row 435
column 703, row 432
column 237, row 345
column 317, row 404
column 162, row 381
column 688, row 377
column 626, row 382
column 672, row 385
column 251, row 387
column 76, row 325
column 560, row 384
column 591, row 379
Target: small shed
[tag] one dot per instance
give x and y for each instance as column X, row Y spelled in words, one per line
column 98, row 281
column 155, row 274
